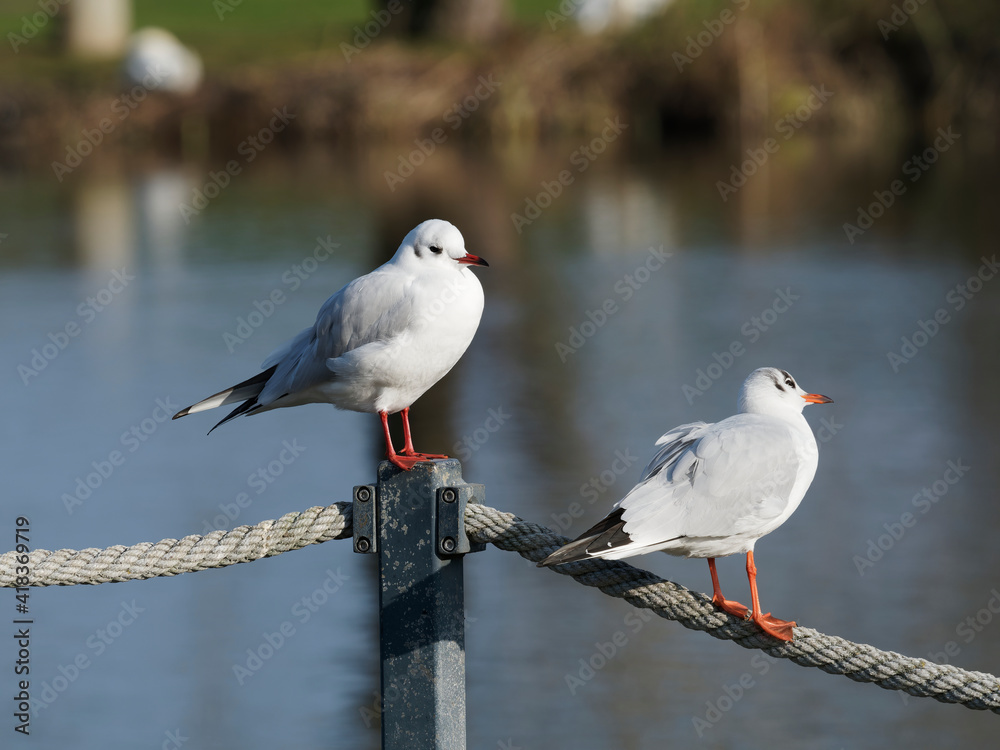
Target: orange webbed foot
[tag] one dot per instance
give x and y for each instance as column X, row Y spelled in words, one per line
column 780, row 629
column 423, row 456
column 731, row 607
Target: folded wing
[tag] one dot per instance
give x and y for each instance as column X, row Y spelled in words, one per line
column 347, row 321
column 706, row 481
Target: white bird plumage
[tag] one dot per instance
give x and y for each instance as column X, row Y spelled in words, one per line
column 714, row 489
column 380, row 342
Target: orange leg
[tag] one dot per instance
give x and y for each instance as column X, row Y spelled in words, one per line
column 726, row 605
column 408, row 440
column 408, row 458
column 780, row 629
column 403, row 462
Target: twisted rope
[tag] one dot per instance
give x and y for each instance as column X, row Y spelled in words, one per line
column 857, row 661
column 170, row 557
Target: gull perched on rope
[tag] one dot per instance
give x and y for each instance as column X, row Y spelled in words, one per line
column 713, row 490
column 379, row 343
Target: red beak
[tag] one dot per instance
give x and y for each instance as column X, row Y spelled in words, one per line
column 816, row 398
column 473, row 260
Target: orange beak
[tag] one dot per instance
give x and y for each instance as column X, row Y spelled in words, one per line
column 473, row 260
column 817, row 398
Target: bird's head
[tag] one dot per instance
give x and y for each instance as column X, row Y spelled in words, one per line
column 436, row 244
column 769, row 390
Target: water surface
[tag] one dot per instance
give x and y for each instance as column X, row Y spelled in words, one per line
column 635, row 282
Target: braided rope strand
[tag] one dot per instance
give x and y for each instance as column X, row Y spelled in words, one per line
column 834, row 655
column 857, row 661
column 170, row 557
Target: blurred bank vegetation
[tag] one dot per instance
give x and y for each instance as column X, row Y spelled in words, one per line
column 896, row 76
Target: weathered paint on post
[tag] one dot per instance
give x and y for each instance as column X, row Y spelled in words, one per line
column 421, row 603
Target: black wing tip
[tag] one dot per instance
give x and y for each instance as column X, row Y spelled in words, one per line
column 552, row 560
column 606, row 534
column 548, row 562
column 260, row 378
column 247, row 407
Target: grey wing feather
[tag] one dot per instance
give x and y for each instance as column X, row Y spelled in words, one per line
column 672, row 444
column 609, row 533
column 346, row 321
column 713, row 481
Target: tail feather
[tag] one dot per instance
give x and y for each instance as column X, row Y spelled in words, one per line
column 248, row 389
column 604, row 536
column 244, row 408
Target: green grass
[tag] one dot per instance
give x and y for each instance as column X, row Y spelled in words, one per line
column 250, row 32
column 253, row 31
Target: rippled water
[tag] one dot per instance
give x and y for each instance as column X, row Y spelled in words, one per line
column 608, row 321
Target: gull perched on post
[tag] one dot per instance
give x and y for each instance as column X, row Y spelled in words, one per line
column 379, row 343
column 713, row 490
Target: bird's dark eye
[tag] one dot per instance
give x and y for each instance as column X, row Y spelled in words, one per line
column 435, row 249
column 789, row 382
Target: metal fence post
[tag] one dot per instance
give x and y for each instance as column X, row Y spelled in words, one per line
column 414, row 522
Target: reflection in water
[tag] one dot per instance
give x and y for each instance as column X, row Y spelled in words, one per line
column 104, row 222
column 569, row 417
column 158, row 195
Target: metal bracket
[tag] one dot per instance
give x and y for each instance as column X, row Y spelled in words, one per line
column 450, row 537
column 365, row 537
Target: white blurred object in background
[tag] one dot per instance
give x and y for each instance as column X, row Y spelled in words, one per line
column 598, row 16
column 157, row 60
